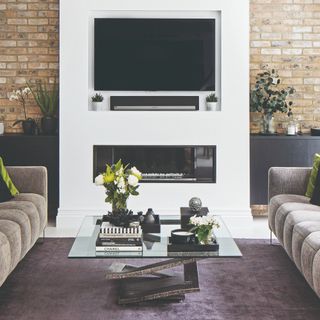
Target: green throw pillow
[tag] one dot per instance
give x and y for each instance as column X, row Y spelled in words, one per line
column 313, row 175
column 5, row 176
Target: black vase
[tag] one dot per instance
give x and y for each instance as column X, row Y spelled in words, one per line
column 49, row 125
column 29, row 126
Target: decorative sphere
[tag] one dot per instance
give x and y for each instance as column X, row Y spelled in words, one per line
column 195, row 204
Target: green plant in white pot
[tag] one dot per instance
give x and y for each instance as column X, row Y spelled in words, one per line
column 47, row 99
column 269, row 97
column 212, row 102
column 97, row 102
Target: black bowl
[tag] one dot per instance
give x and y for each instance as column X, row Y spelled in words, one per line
column 182, row 236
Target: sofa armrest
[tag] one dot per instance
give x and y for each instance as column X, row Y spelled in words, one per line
column 286, row 180
column 30, row 179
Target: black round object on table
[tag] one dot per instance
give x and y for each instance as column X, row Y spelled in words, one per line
column 181, row 236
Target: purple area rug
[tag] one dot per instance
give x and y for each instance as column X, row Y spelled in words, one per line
column 262, row 285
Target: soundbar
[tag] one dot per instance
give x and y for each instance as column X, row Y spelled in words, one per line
column 154, row 103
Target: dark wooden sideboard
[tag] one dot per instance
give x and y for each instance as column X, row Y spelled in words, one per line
column 277, row 151
column 23, row 150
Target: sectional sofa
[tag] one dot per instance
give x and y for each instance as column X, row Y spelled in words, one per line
column 296, row 222
column 23, row 218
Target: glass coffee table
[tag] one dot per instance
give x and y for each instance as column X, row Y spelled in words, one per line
column 149, row 282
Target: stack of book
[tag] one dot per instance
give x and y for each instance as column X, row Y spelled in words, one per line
column 119, row 239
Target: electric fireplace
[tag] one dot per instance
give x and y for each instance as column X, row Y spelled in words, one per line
column 193, row 164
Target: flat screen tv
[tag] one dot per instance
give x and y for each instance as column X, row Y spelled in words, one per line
column 154, row 54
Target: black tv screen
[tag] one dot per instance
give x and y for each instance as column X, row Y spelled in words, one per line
column 154, row 54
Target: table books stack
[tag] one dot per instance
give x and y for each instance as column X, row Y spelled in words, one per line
column 119, row 239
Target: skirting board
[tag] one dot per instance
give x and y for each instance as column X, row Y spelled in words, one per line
column 72, row 218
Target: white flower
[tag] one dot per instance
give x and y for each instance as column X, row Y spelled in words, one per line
column 136, row 172
column 133, row 180
column 204, row 221
column 122, row 190
column 121, row 184
column 99, row 180
column 26, row 91
column 13, row 97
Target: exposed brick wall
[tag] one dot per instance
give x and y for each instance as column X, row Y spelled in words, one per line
column 285, row 35
column 29, row 49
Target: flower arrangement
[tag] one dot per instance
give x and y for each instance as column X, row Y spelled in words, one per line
column 202, row 226
column 21, row 95
column 120, row 182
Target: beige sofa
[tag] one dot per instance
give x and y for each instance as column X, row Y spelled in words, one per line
column 296, row 222
column 23, row 218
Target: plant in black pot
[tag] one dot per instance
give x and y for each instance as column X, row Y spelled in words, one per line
column 47, row 99
column 21, row 95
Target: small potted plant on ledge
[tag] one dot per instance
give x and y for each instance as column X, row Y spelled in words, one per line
column 97, row 102
column 29, row 125
column 268, row 98
column 212, row 102
column 48, row 101
column 120, row 182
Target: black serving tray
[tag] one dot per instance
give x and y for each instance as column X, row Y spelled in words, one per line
column 192, row 247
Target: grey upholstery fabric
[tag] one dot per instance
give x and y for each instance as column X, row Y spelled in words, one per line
column 23, row 221
column 5, row 257
column 310, row 247
column 292, row 219
column 288, row 181
column 285, row 209
column 277, row 201
column 23, row 218
column 30, row 209
column 30, row 179
column 300, row 232
column 316, row 273
column 12, row 231
column 40, row 203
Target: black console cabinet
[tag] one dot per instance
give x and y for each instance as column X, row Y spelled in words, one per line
column 277, row 151
column 23, row 150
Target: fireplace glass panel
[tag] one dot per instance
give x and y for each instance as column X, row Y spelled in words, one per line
column 161, row 163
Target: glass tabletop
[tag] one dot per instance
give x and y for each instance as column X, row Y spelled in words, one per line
column 154, row 245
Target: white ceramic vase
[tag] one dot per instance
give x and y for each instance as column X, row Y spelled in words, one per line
column 99, row 106
column 212, row 106
column 1, row 128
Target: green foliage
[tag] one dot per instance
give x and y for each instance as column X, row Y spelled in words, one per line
column 98, row 97
column 46, row 98
column 212, row 98
column 267, row 97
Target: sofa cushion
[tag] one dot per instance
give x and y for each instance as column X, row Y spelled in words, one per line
column 277, row 201
column 12, row 231
column 21, row 218
column 40, row 203
column 6, row 178
column 313, row 175
column 32, row 213
column 300, row 232
column 316, row 273
column 5, row 258
column 284, row 210
column 293, row 218
column 310, row 247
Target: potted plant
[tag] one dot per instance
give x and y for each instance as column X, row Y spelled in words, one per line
column 48, row 101
column 268, row 98
column 97, row 102
column 21, row 95
column 212, row 102
column 120, row 182
column 203, row 226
